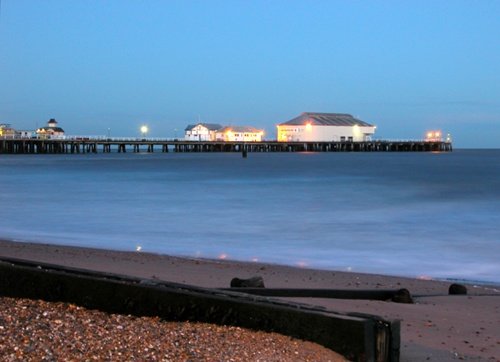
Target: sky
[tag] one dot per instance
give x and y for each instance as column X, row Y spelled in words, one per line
column 110, row 66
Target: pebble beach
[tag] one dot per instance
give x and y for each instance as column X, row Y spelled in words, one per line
column 33, row 330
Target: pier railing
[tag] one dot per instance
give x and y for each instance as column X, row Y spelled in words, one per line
column 122, row 145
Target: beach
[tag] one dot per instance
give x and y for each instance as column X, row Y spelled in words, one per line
column 437, row 326
column 34, row 330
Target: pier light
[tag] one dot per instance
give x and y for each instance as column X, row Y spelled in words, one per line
column 356, row 132
column 308, row 127
column 302, row 264
column 433, row 136
column 144, row 130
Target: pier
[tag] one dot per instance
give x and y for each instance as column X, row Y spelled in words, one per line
column 108, row 145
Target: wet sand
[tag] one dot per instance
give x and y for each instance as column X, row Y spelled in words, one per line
column 437, row 327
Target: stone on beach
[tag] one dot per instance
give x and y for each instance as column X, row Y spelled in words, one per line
column 457, row 289
column 253, row 282
column 402, row 296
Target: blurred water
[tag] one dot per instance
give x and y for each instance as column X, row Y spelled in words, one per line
column 412, row 214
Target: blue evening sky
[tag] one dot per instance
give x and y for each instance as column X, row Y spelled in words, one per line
column 406, row 66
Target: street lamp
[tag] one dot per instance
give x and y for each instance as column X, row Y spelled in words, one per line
column 144, row 131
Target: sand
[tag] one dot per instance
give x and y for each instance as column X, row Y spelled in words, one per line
column 437, row 327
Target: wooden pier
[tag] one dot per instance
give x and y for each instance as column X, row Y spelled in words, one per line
column 69, row 146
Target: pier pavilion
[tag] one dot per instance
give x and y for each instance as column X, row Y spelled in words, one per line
column 325, row 127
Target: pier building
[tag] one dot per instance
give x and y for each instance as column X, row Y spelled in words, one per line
column 7, row 131
column 325, row 127
column 201, row 131
column 52, row 130
column 239, row 134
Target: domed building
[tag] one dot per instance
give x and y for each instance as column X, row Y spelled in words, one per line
column 52, row 130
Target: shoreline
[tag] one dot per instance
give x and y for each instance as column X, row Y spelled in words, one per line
column 437, row 327
column 228, row 259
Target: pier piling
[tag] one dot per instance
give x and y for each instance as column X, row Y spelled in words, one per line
column 52, row 146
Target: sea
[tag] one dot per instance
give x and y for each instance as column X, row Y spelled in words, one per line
column 423, row 215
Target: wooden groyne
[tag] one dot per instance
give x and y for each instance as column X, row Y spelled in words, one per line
column 357, row 336
column 56, row 146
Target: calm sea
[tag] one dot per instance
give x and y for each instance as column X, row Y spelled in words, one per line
column 412, row 214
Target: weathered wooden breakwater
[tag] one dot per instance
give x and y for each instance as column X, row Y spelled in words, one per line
column 55, row 146
column 359, row 337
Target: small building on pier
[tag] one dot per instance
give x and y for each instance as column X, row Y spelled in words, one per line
column 325, row 127
column 201, row 132
column 25, row 134
column 239, row 134
column 52, row 130
column 6, row 131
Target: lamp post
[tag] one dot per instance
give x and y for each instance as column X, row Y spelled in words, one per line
column 144, row 131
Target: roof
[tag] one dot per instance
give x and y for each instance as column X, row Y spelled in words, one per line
column 326, row 119
column 210, row 126
column 53, row 129
column 240, row 129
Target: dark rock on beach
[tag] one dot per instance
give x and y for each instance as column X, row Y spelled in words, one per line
column 457, row 289
column 402, row 296
column 253, row 282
